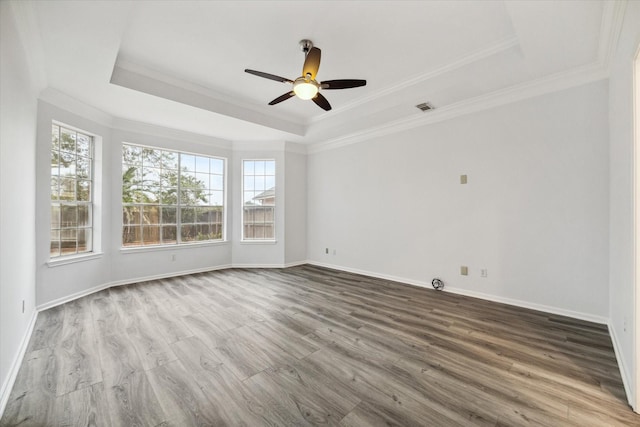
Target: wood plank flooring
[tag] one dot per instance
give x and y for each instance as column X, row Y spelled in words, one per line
column 310, row 346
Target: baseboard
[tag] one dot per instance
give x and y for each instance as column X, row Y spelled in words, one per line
column 98, row 288
column 489, row 297
column 285, row 265
column 7, row 386
column 624, row 371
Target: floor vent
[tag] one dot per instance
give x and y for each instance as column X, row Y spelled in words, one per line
column 425, row 106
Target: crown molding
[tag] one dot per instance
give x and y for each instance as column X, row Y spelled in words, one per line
column 258, row 146
column 126, row 125
column 554, row 83
column 139, row 78
column 612, row 20
column 461, row 62
column 75, row 106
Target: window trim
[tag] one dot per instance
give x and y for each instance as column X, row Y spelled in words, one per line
column 178, row 244
column 243, row 239
column 93, row 253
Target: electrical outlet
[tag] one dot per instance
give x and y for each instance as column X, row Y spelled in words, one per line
column 483, row 272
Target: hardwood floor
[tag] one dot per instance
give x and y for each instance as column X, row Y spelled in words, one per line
column 309, row 346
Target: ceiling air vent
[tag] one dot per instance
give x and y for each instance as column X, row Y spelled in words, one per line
column 425, row 106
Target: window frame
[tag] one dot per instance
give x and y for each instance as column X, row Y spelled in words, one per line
column 178, row 206
column 243, row 238
column 63, row 258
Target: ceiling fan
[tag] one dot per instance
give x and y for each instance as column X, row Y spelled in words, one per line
column 306, row 87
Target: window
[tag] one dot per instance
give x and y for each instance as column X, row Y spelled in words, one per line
column 169, row 197
column 258, row 199
column 71, row 192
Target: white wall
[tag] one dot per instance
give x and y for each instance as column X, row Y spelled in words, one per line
column 534, row 212
column 621, row 278
column 19, row 89
column 296, row 205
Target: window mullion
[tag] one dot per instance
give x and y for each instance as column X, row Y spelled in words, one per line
column 178, row 203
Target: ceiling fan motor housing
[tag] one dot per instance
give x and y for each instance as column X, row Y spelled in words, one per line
column 306, row 45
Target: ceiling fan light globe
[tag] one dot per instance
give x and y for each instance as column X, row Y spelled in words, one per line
column 305, row 89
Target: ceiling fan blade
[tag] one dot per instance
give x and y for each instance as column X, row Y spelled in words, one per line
column 342, row 84
column 311, row 63
column 282, row 98
column 268, row 76
column 322, row 102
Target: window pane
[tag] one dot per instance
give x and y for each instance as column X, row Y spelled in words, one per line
column 55, row 216
column 55, row 188
column 84, row 216
column 259, row 167
column 131, row 235
column 188, row 233
column 187, row 163
column 169, row 234
column 248, row 198
column 258, row 199
column 151, row 157
column 216, row 182
column 168, row 215
column 202, row 164
column 55, row 137
column 131, row 155
column 216, row 198
column 168, row 196
column 270, row 167
column 175, row 188
column 54, row 249
column 151, row 234
column 258, row 231
column 67, row 164
column 83, row 191
column 67, row 140
column 84, row 145
column 269, row 182
column 83, row 167
column 170, row 160
column 151, row 215
column 84, row 240
column 202, row 180
column 55, row 162
column 187, row 215
column 68, row 241
column 268, row 231
column 217, row 166
column 69, row 216
column 131, row 215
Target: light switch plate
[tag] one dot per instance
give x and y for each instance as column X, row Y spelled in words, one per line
column 464, row 270
column 463, row 179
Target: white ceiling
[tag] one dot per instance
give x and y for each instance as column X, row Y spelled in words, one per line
column 180, row 64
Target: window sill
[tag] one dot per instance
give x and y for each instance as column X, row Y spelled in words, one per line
column 258, row 242
column 156, row 248
column 72, row 259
